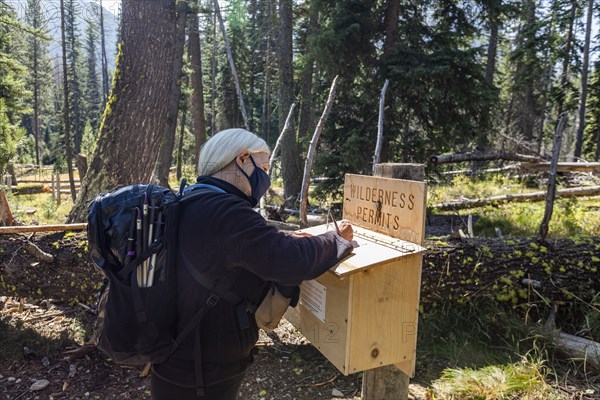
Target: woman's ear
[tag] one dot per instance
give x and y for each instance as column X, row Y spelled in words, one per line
column 242, row 158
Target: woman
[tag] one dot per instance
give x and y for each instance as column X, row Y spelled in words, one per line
column 221, row 236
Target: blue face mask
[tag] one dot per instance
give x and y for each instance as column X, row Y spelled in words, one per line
column 259, row 182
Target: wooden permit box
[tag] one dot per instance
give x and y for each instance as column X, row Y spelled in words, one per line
column 363, row 312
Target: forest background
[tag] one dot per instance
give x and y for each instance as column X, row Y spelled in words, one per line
column 127, row 91
column 486, row 74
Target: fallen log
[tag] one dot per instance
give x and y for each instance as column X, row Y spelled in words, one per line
column 511, row 270
column 483, row 171
column 41, row 181
column 42, row 228
column 477, row 156
column 38, row 253
column 563, row 167
column 577, row 348
column 516, row 198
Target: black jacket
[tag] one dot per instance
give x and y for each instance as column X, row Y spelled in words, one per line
column 221, row 232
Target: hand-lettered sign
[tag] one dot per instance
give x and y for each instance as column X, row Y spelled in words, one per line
column 394, row 207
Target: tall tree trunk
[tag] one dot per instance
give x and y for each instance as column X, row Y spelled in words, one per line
column 195, row 56
column 291, row 166
column 564, row 77
column 130, row 136
column 529, row 100
column 180, row 144
column 75, row 89
column 266, row 105
column 36, row 100
column 66, row 114
column 547, row 87
column 213, row 76
column 584, row 81
column 487, row 113
column 390, row 22
column 490, row 65
column 165, row 153
column 236, row 79
column 306, row 120
column 391, row 19
column 105, row 84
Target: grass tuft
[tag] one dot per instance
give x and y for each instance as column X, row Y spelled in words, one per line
column 525, row 380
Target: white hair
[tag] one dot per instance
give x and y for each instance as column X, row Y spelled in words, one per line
column 224, row 146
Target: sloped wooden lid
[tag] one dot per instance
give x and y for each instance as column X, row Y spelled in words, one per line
column 371, row 249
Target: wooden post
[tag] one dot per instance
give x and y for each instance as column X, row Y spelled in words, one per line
column 6, row 217
column 8, row 183
column 379, row 145
column 286, row 126
column 552, row 178
column 389, row 382
column 58, row 188
column 52, row 185
column 312, row 149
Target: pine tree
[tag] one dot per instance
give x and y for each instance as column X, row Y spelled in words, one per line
column 592, row 128
column 306, row 114
column 66, row 122
column 526, row 73
column 74, row 73
column 37, row 61
column 92, row 95
column 584, row 82
column 104, row 63
column 13, row 94
column 197, row 95
column 291, row 166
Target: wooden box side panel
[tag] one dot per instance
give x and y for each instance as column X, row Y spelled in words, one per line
column 329, row 336
column 384, row 315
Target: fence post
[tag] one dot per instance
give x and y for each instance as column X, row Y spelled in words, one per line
column 53, row 186
column 58, row 188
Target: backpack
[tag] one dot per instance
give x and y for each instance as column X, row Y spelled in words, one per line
column 132, row 235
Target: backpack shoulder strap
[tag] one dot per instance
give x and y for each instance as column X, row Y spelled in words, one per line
column 219, row 290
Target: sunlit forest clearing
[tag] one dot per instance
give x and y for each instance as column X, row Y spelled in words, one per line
column 496, row 102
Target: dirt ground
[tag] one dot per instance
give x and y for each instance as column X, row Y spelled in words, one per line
column 286, row 366
column 46, row 316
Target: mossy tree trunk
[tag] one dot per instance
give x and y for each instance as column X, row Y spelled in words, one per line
column 199, row 121
column 135, row 117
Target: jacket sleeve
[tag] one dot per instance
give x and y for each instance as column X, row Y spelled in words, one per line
column 277, row 256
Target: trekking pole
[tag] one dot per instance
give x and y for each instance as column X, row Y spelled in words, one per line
column 145, row 237
column 153, row 260
column 130, row 240
column 150, row 241
column 138, row 243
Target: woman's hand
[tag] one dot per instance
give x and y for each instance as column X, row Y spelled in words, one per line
column 345, row 230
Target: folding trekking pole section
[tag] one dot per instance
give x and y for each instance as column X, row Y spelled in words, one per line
column 130, row 255
column 138, row 243
column 157, row 234
column 144, row 238
column 150, row 240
